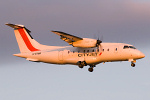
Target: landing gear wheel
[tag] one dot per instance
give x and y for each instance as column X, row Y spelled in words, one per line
column 81, row 66
column 132, row 64
column 90, row 69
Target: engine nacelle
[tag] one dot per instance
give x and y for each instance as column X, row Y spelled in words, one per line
column 85, row 43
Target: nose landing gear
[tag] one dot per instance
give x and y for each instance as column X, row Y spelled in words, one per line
column 133, row 61
column 133, row 64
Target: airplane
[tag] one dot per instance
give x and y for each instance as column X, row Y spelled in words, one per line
column 82, row 52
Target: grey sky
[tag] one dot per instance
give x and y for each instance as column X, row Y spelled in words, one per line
column 125, row 21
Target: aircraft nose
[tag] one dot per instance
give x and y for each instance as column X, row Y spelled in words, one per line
column 141, row 55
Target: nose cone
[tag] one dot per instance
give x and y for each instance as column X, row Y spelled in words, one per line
column 141, row 55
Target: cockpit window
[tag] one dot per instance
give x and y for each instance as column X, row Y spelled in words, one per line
column 126, row 47
column 132, row 47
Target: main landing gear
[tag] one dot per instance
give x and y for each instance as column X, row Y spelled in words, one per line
column 81, row 64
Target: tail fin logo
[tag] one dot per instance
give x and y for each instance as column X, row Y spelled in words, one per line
column 26, row 40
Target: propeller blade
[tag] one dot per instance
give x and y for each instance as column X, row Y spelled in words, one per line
column 98, row 42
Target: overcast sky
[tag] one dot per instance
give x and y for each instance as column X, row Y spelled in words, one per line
column 126, row 21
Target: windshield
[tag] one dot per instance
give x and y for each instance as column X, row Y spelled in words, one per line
column 126, row 47
column 132, row 47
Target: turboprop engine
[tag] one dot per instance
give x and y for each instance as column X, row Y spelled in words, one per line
column 87, row 43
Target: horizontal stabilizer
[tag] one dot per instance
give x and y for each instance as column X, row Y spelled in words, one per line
column 17, row 26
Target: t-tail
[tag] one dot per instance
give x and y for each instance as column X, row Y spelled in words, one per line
column 25, row 41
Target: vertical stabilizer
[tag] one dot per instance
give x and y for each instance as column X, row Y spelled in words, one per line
column 25, row 41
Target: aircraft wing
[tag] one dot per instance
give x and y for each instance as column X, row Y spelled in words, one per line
column 67, row 37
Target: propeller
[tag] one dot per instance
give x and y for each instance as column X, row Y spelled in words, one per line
column 98, row 42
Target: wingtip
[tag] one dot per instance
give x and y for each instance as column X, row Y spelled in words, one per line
column 52, row 31
column 7, row 23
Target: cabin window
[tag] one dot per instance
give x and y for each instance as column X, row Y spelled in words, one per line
column 116, row 49
column 97, row 50
column 68, row 52
column 78, row 51
column 84, row 51
column 93, row 50
column 107, row 49
column 73, row 51
column 87, row 50
column 103, row 50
